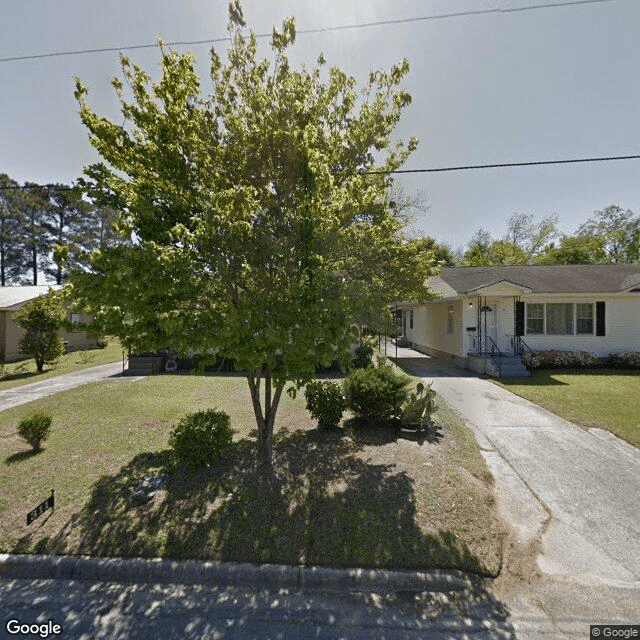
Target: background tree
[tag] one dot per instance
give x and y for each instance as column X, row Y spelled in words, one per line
column 578, row 249
column 260, row 228
column 440, row 252
column 523, row 242
column 67, row 228
column 11, row 222
column 33, row 247
column 619, row 230
column 42, row 318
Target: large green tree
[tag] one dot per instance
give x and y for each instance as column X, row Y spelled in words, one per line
column 259, row 215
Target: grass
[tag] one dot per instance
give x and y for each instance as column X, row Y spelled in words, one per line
column 350, row 497
column 16, row 374
column 605, row 398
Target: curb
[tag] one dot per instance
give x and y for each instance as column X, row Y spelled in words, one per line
column 266, row 576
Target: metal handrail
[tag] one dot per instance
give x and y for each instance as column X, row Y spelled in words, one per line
column 521, row 348
column 495, row 354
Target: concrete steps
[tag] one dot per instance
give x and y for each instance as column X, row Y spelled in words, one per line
column 512, row 367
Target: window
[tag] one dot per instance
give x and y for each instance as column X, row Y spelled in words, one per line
column 559, row 319
column 535, row 318
column 450, row 319
column 76, row 317
column 584, row 319
column 411, row 319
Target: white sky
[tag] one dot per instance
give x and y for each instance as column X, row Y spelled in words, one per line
column 541, row 84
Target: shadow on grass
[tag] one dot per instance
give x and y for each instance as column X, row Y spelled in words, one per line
column 23, row 375
column 323, row 506
column 539, row 378
column 21, row 455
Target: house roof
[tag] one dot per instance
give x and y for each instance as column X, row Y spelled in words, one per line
column 14, row 297
column 558, row 278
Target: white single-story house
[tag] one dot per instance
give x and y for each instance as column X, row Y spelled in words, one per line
column 508, row 309
column 12, row 299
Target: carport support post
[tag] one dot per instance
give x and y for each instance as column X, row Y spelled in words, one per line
column 395, row 322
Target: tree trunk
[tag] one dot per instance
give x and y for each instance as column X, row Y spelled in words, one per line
column 265, row 420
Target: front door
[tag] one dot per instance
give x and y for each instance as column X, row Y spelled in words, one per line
column 489, row 311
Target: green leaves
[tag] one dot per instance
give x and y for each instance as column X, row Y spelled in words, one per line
column 258, row 231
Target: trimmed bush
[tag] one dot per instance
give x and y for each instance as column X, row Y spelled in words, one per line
column 35, row 428
column 363, row 357
column 377, row 392
column 102, row 342
column 325, row 403
column 556, row 359
column 625, row 360
column 200, row 438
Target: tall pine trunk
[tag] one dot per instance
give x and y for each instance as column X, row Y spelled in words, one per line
column 265, row 418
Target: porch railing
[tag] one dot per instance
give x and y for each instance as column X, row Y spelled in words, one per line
column 493, row 351
column 522, row 349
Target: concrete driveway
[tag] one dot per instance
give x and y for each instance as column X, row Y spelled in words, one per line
column 36, row 390
column 578, row 490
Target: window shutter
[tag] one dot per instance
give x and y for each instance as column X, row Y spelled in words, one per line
column 600, row 319
column 519, row 318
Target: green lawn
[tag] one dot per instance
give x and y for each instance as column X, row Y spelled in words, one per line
column 605, row 398
column 343, row 498
column 16, row 374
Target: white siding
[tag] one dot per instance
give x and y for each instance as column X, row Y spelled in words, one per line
column 430, row 324
column 622, row 328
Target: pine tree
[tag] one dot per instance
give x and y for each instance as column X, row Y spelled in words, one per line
column 11, row 221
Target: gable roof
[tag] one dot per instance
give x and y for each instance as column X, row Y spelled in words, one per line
column 14, row 297
column 557, row 278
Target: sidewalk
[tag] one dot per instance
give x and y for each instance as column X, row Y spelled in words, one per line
column 36, row 390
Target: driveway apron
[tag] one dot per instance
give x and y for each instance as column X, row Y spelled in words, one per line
column 577, row 489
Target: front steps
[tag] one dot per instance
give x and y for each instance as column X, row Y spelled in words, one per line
column 512, row 366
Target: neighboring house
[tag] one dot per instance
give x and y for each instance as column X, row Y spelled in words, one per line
column 12, row 299
column 507, row 309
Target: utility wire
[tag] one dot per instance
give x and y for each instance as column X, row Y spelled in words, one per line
column 361, row 25
column 439, row 169
column 508, row 164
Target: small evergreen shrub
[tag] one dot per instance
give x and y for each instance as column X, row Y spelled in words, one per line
column 362, row 357
column 199, row 439
column 377, row 392
column 35, row 428
column 325, row 403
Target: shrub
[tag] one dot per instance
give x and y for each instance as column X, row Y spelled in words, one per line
column 363, row 355
column 200, row 438
column 325, row 403
column 377, row 392
column 625, row 360
column 553, row 359
column 102, row 342
column 35, row 428
column 420, row 406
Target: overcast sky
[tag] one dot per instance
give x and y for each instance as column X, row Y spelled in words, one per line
column 544, row 83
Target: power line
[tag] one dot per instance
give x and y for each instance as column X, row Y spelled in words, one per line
column 439, row 169
column 508, row 164
column 361, row 25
